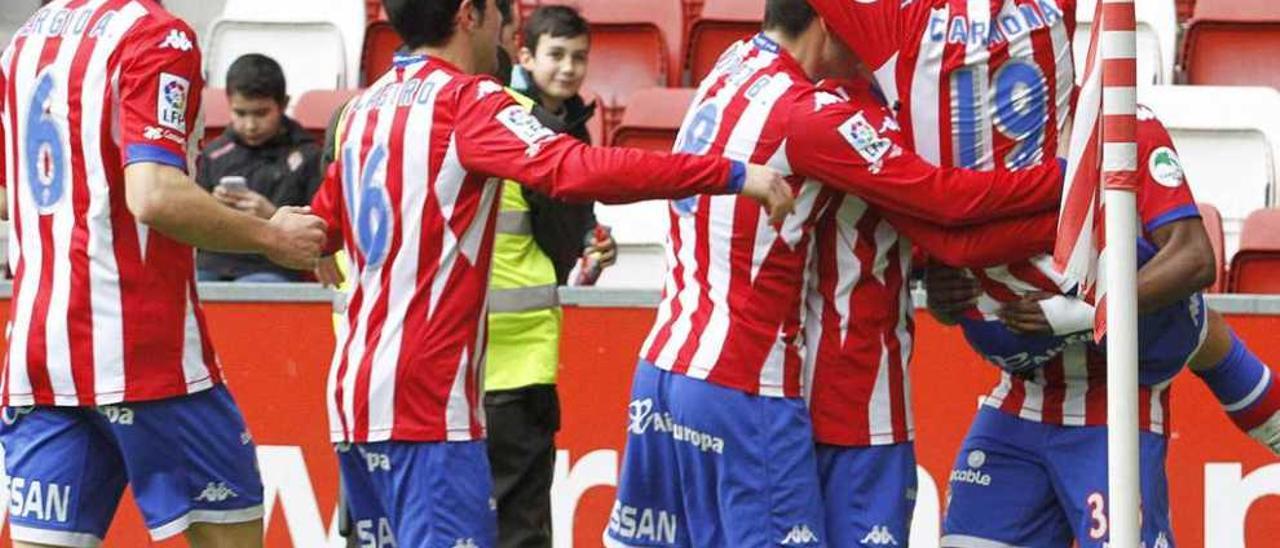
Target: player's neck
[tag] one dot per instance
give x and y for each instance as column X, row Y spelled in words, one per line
column 806, row 49
column 455, row 52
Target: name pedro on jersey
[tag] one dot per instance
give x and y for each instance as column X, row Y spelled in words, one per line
column 1010, row 24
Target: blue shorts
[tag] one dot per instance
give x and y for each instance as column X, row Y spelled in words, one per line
column 429, row 494
column 188, row 460
column 869, row 493
column 1169, row 337
column 1022, row 483
column 710, row 466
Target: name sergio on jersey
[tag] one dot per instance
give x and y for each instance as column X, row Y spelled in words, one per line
column 1009, row 24
column 642, row 418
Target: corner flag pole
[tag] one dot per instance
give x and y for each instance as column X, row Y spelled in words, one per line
column 1119, row 171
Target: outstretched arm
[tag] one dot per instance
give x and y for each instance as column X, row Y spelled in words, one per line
column 998, row 242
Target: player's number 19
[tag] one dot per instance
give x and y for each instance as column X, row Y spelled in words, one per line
column 1021, row 112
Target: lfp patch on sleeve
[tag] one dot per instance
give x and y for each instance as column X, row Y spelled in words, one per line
column 171, row 105
column 524, row 125
column 1165, row 167
column 864, row 138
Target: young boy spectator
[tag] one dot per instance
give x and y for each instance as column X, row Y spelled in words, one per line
column 538, row 243
column 263, row 161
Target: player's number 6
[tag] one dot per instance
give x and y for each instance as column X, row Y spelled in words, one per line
column 46, row 156
column 369, row 204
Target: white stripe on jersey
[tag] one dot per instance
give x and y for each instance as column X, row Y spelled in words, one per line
column 925, row 79
column 851, row 208
column 1075, row 365
column 104, row 274
column 194, row 371
column 977, row 57
column 457, row 411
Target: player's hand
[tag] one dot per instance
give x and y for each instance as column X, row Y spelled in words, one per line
column 299, row 236
column 328, row 273
column 770, row 189
column 606, row 249
column 951, row 292
column 1025, row 316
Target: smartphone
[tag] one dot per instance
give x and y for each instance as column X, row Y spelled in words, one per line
column 234, row 183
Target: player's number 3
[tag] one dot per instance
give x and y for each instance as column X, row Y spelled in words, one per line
column 369, row 204
column 45, row 152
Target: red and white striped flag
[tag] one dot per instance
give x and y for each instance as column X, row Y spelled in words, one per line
column 1103, row 147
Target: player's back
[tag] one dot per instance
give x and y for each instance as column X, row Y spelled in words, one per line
column 731, row 308
column 90, row 87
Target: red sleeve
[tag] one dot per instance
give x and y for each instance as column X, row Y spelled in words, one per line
column 4, row 119
column 1163, row 194
column 160, row 88
column 327, row 203
column 855, row 146
column 498, row 137
column 873, row 30
column 979, row 246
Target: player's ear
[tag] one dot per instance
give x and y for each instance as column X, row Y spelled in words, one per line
column 525, row 57
column 466, row 18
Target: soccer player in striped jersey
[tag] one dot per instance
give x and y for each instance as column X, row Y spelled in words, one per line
column 720, row 451
column 414, row 198
column 110, row 378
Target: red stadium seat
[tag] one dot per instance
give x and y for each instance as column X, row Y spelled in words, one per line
column 373, row 10
column 1185, row 9
column 1213, row 225
column 1233, row 42
column 595, row 126
column 653, row 118
column 380, row 45
column 315, row 108
column 635, row 44
column 217, row 114
column 722, row 23
column 1256, row 266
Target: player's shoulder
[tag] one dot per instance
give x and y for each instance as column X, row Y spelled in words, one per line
column 158, row 23
column 1151, row 132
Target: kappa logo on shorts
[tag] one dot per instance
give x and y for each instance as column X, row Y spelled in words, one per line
column 641, row 419
column 375, row 461
column 465, row 543
column 879, row 536
column 116, row 414
column 216, row 492
column 799, row 535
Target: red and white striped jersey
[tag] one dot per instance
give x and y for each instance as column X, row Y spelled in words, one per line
column 732, row 307
column 104, row 309
column 413, row 197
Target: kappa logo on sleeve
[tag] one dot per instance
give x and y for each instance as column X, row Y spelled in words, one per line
column 176, row 39
column 171, row 105
column 864, row 138
column 525, row 126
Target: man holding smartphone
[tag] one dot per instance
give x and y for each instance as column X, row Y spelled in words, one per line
column 264, row 160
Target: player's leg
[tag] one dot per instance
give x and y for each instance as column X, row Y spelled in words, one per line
column 868, row 493
column 747, row 465
column 1000, row 492
column 64, row 475
column 1078, row 459
column 1244, row 385
column 191, row 460
column 648, row 510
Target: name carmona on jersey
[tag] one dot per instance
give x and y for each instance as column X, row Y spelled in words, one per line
column 1009, row 25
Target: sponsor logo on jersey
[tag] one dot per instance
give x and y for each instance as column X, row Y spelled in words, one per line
column 1165, row 167
column 370, row 536
column 34, row 499
column 879, row 536
column 643, row 524
column 116, row 414
column 176, row 39
column 799, row 535
column 216, row 492
column 864, row 138
column 171, row 105
column 642, row 419
column 525, row 127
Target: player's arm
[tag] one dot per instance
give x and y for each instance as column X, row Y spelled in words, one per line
column 498, row 137
column 846, row 146
column 160, row 89
column 1184, row 262
column 977, row 246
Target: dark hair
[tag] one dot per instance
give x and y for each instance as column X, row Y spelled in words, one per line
column 791, row 17
column 504, row 9
column 426, row 22
column 257, row 76
column 556, row 21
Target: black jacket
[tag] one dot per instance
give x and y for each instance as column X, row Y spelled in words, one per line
column 286, row 170
column 561, row 228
